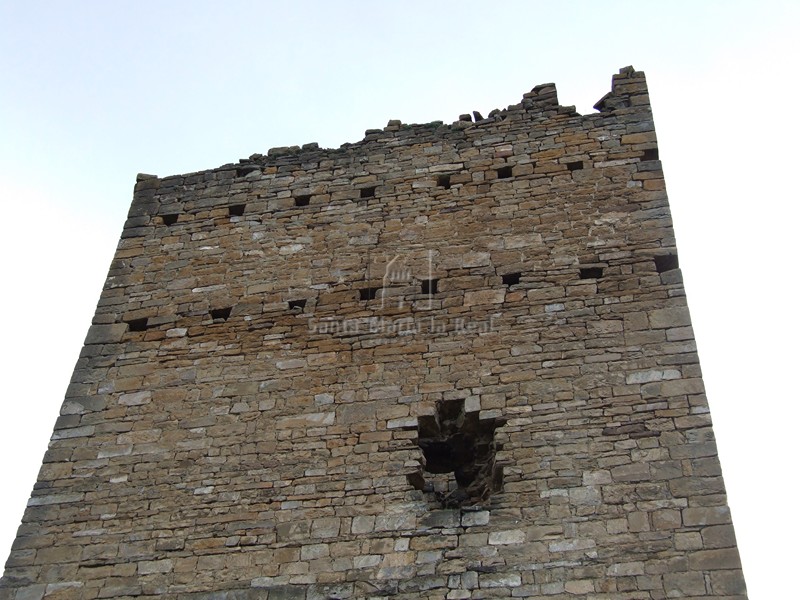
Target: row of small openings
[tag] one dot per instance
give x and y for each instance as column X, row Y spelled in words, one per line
column 508, row 171
column 668, row 262
column 237, row 210
column 429, row 287
column 234, row 210
column 510, row 279
column 663, row 263
column 218, row 315
column 305, row 199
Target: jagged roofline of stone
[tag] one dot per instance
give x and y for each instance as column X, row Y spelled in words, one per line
column 542, row 98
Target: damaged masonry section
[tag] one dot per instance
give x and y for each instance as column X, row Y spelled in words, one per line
column 459, row 449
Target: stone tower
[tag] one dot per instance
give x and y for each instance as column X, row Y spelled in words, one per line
column 447, row 361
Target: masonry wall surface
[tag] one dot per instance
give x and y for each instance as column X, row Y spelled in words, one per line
column 447, row 361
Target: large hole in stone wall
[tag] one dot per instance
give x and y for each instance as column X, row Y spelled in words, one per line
column 459, row 443
column 303, row 200
column 443, row 181
column 221, row 314
column 169, row 220
column 367, row 192
column 137, row 324
column 510, row 279
column 667, row 262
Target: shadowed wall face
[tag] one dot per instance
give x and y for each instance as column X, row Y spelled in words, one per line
column 447, row 361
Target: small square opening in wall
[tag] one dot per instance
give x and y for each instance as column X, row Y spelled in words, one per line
column 575, row 165
column 236, row 210
column 443, row 181
column 510, row 279
column 368, row 192
column 504, row 172
column 650, row 154
column 303, row 200
column 221, row 314
column 430, row 286
column 591, row 272
column 368, row 293
column 297, row 304
column 667, row 262
column 169, row 220
column 137, row 324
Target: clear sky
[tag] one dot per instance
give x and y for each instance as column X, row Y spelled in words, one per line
column 93, row 92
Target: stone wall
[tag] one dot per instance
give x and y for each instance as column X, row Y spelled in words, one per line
column 447, row 361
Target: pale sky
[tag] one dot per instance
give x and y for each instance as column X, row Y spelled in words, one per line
column 92, row 92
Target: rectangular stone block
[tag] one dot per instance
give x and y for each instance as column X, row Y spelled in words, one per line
column 105, row 334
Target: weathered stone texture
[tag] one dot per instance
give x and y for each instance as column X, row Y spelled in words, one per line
column 447, row 361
